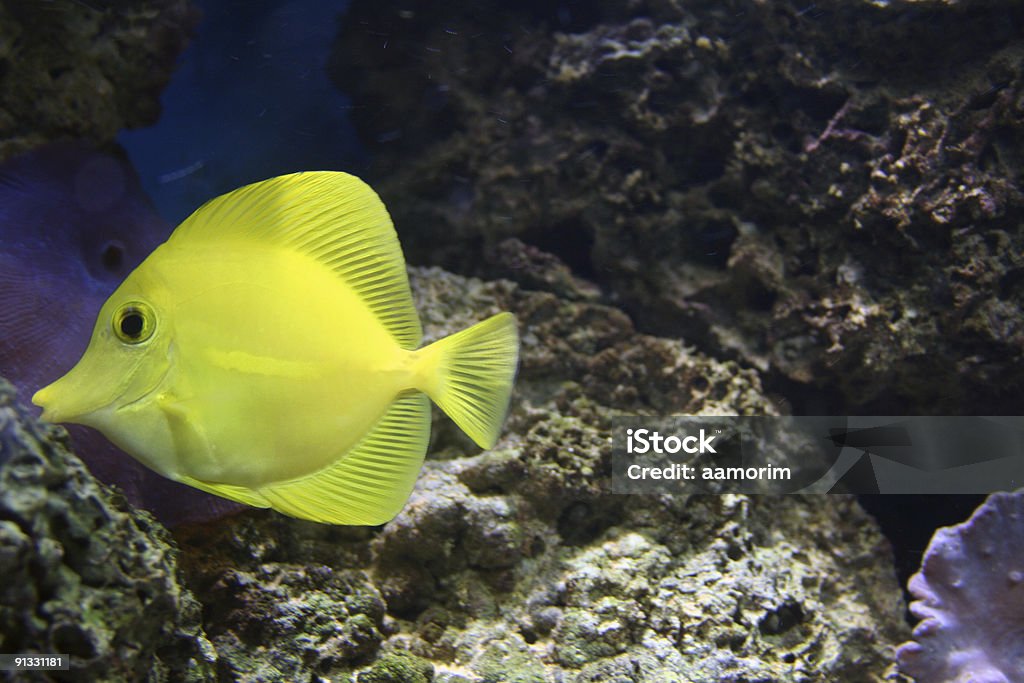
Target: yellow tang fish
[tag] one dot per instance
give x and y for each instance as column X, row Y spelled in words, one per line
column 267, row 353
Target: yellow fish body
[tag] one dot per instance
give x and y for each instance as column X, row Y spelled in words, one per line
column 267, row 353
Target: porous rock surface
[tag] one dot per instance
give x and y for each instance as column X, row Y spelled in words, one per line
column 513, row 565
column 827, row 192
column 84, row 575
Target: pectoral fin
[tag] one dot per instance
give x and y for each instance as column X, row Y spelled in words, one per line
column 194, row 449
column 189, row 441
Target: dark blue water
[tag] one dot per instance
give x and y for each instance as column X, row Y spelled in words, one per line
column 251, row 99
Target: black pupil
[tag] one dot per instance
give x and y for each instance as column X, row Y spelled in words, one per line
column 131, row 325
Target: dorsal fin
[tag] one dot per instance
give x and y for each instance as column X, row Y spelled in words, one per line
column 331, row 216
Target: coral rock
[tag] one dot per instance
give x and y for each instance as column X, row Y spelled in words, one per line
column 82, row 574
column 85, row 70
column 970, row 599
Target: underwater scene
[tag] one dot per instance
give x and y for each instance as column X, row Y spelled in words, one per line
column 481, row 341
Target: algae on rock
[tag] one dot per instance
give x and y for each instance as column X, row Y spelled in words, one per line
column 83, row 574
column 517, row 564
column 85, row 70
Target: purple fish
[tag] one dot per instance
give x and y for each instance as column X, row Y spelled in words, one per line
column 73, row 223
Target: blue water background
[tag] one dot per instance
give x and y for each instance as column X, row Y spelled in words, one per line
column 250, row 99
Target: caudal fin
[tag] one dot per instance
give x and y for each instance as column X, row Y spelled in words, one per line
column 469, row 375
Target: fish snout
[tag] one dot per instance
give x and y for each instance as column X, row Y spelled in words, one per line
column 45, row 398
column 70, row 399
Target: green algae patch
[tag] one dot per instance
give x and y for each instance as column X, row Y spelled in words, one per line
column 509, row 661
column 398, row 667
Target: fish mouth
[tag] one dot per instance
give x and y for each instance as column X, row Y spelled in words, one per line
column 43, row 399
column 55, row 410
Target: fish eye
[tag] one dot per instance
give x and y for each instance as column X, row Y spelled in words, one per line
column 134, row 322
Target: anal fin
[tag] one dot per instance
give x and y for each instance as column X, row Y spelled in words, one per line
column 370, row 483
column 190, row 440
